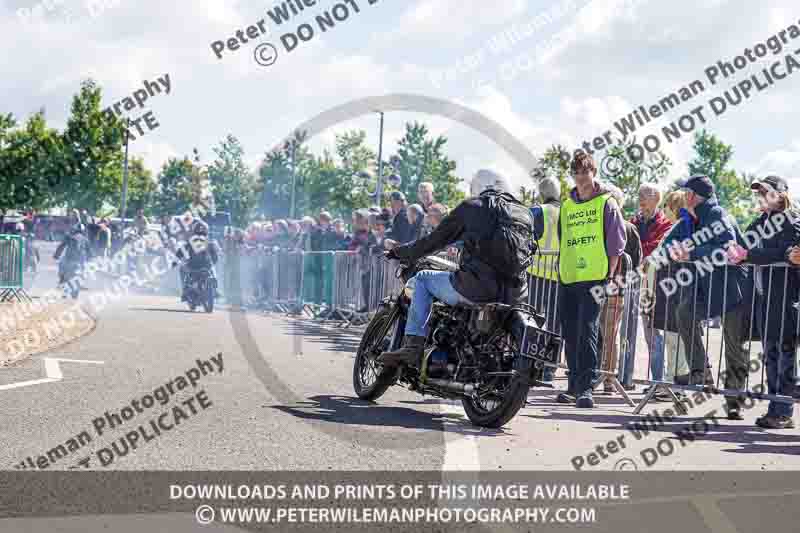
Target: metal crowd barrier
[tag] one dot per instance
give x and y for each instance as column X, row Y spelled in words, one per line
column 12, row 260
column 764, row 320
column 346, row 286
column 617, row 339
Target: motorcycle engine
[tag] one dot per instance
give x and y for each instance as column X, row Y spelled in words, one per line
column 437, row 364
column 442, row 360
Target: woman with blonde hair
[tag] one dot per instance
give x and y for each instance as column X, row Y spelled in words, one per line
column 676, row 365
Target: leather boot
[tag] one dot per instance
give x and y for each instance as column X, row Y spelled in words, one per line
column 409, row 354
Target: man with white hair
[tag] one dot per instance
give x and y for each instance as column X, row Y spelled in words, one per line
column 491, row 268
column 652, row 225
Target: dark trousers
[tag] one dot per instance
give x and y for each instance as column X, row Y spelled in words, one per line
column 579, row 314
column 780, row 376
column 734, row 333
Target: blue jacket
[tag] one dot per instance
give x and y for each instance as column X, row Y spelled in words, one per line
column 712, row 231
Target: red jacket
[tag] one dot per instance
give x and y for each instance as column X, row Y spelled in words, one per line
column 651, row 233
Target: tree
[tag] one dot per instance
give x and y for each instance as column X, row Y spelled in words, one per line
column 275, row 175
column 527, row 196
column 173, row 186
column 93, row 143
column 141, row 188
column 29, row 163
column 355, row 181
column 712, row 157
column 554, row 163
column 419, row 159
column 628, row 169
column 232, row 184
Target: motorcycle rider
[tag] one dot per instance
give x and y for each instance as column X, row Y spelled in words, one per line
column 75, row 250
column 198, row 253
column 480, row 278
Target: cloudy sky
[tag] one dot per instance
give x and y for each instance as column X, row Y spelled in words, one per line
column 576, row 67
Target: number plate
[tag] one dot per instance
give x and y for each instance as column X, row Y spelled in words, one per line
column 541, row 344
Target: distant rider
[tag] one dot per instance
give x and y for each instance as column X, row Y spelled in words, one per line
column 198, row 253
column 75, row 251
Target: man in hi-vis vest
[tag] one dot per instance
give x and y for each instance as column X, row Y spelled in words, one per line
column 591, row 234
column 543, row 289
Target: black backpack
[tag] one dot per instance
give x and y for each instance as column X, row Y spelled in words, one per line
column 508, row 244
column 76, row 250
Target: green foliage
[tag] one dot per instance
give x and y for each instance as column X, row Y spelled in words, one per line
column 527, row 196
column 554, row 163
column 422, row 159
column 92, row 152
column 141, row 188
column 232, row 184
column 622, row 167
column 174, row 185
column 712, row 157
column 29, row 163
column 275, row 176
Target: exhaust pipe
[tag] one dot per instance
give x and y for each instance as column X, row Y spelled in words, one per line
column 452, row 386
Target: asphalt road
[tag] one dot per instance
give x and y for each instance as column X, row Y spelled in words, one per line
column 284, row 401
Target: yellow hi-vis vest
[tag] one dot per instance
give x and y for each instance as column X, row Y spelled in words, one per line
column 544, row 266
column 582, row 253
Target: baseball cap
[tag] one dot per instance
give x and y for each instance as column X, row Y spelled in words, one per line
column 397, row 196
column 775, row 183
column 701, row 185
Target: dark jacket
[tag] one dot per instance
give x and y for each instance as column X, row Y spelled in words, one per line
column 713, row 231
column 633, row 244
column 475, row 279
column 778, row 287
column 402, row 231
column 75, row 249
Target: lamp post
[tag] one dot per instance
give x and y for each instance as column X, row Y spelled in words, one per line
column 379, row 187
column 294, row 175
column 125, row 175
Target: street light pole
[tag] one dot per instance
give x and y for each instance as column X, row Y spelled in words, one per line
column 125, row 175
column 294, row 177
column 379, row 187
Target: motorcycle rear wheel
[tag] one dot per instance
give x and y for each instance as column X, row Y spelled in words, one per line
column 370, row 379
column 506, row 407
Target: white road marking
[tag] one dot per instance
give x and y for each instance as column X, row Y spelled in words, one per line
column 51, row 369
column 460, row 451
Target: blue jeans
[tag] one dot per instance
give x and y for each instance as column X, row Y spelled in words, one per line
column 430, row 284
column 655, row 344
column 780, row 377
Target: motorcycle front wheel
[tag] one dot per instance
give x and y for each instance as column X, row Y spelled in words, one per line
column 370, row 379
column 211, row 293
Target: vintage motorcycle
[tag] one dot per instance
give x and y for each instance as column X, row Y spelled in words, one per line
column 201, row 289
column 487, row 356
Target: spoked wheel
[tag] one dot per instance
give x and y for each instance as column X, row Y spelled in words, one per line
column 498, row 399
column 370, row 378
